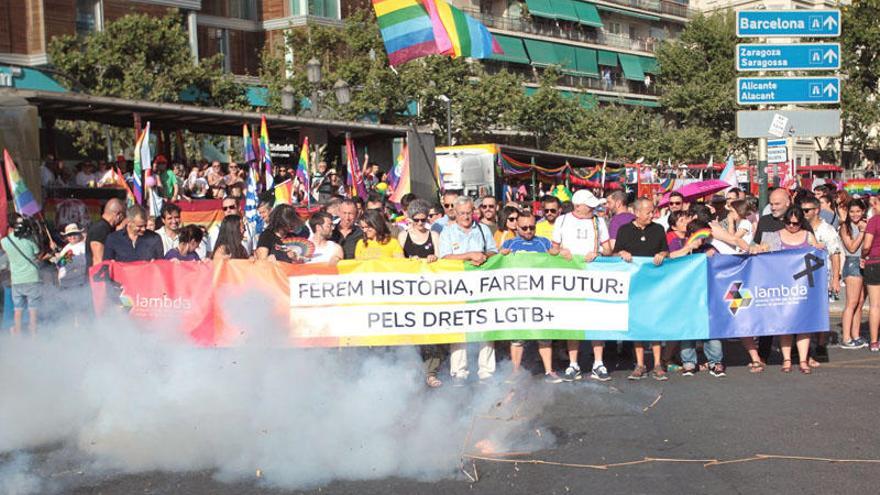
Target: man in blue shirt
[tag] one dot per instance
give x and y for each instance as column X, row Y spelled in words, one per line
column 448, row 201
column 134, row 242
column 527, row 241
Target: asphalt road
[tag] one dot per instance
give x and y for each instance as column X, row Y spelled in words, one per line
column 689, row 421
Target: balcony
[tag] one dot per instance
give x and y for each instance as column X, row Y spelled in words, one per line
column 618, row 83
column 564, row 30
column 666, row 7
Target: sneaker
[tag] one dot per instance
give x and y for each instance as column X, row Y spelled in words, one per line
column 600, row 373
column 860, row 343
column 874, row 347
column 552, row 377
column 572, row 374
column 638, row 373
column 688, row 370
column 849, row 345
column 459, row 381
column 659, row 374
column 717, row 370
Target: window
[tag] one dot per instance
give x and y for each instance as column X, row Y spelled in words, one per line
column 808, row 161
column 86, row 16
column 633, row 32
column 324, row 8
column 613, row 27
column 797, row 162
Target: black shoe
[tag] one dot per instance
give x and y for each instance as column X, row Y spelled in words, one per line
column 822, row 353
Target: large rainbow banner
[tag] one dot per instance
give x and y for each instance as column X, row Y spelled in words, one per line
column 518, row 296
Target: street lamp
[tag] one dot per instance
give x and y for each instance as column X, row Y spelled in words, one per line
column 287, row 98
column 313, row 71
column 343, row 92
column 448, row 101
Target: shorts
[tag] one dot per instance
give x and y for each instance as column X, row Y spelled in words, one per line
column 27, row 295
column 871, row 274
column 522, row 342
column 851, row 267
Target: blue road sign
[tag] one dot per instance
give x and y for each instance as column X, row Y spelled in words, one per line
column 787, row 23
column 775, row 143
column 782, row 90
column 804, row 56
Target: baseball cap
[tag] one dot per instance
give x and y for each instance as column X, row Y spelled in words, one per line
column 585, row 197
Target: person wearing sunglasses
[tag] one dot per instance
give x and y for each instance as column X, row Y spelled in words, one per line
column 827, row 239
column 229, row 207
column 795, row 234
column 527, row 241
column 506, row 224
column 448, row 203
column 551, row 207
column 489, row 212
column 676, row 203
column 420, row 242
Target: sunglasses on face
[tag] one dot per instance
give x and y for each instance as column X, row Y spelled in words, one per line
column 486, row 207
column 512, row 219
column 793, row 224
column 527, row 228
column 550, row 210
column 419, row 220
column 676, row 203
column 809, row 209
column 448, row 205
column 434, row 214
column 229, row 208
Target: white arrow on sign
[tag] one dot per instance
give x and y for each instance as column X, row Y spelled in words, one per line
column 830, row 89
column 830, row 22
column 830, row 55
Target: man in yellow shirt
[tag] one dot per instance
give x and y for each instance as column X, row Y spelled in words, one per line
column 551, row 207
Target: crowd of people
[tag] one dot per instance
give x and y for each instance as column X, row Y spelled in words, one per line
column 472, row 230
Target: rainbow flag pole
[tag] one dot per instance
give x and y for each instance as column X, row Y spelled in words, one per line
column 23, row 200
column 264, row 152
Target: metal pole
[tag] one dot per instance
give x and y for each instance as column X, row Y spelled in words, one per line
column 762, row 173
column 449, row 122
column 534, row 177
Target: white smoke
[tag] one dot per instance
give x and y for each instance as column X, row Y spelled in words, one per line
column 114, row 397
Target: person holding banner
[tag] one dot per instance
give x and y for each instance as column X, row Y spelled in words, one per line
column 347, row 233
column 377, row 242
column 506, row 224
column 421, row 243
column 795, row 235
column 526, row 241
column 283, row 223
column 448, row 203
column 134, row 242
column 852, row 235
column 580, row 233
column 643, row 237
column 551, row 207
column 469, row 241
column 230, row 240
column 326, row 251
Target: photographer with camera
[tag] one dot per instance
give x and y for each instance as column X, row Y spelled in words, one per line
column 24, row 259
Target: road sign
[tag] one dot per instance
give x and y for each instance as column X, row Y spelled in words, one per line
column 781, row 90
column 805, row 56
column 777, row 151
column 797, row 123
column 787, row 23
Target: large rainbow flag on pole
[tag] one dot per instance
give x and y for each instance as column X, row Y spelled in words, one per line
column 418, row 28
column 264, row 152
column 399, row 179
column 355, row 181
column 24, row 201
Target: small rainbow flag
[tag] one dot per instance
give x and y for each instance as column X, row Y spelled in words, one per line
column 25, row 203
column 355, row 181
column 700, row 234
column 412, row 29
column 264, row 152
column 284, row 193
column 142, row 163
column 302, row 171
column 862, row 186
column 399, row 179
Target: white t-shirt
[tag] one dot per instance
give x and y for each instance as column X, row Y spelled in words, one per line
column 725, row 248
column 325, row 252
column 826, row 234
column 578, row 235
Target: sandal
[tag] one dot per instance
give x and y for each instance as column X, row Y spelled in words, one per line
column 786, row 368
column 433, row 382
column 756, row 367
column 805, row 367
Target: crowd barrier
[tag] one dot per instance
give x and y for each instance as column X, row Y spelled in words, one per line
column 518, row 296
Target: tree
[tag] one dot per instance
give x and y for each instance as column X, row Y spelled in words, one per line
column 698, row 80
column 547, row 114
column 142, row 58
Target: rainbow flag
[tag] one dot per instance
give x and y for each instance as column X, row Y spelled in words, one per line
column 302, row 171
column 668, row 184
column 355, row 180
column 25, row 203
column 142, row 163
column 248, row 145
column 862, row 186
column 284, row 193
column 399, row 178
column 264, row 152
column 412, row 29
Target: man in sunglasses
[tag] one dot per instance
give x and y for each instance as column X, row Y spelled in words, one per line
column 448, row 202
column 489, row 212
column 829, row 240
column 551, row 207
column 229, row 206
column 676, row 203
column 526, row 241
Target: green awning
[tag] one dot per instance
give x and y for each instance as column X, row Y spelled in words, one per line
column 630, row 101
column 540, row 8
column 587, row 14
column 564, row 10
column 514, row 51
column 542, row 53
column 632, row 67
column 586, row 62
column 530, row 90
column 608, row 59
column 649, row 65
column 566, row 56
column 637, row 15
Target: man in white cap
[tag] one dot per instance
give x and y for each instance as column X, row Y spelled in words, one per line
column 582, row 234
column 71, row 260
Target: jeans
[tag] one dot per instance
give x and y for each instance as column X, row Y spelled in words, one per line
column 458, row 360
column 711, row 348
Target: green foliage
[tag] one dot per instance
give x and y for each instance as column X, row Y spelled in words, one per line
column 860, row 62
column 144, row 58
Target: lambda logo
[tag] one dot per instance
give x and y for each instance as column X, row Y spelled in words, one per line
column 737, row 297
